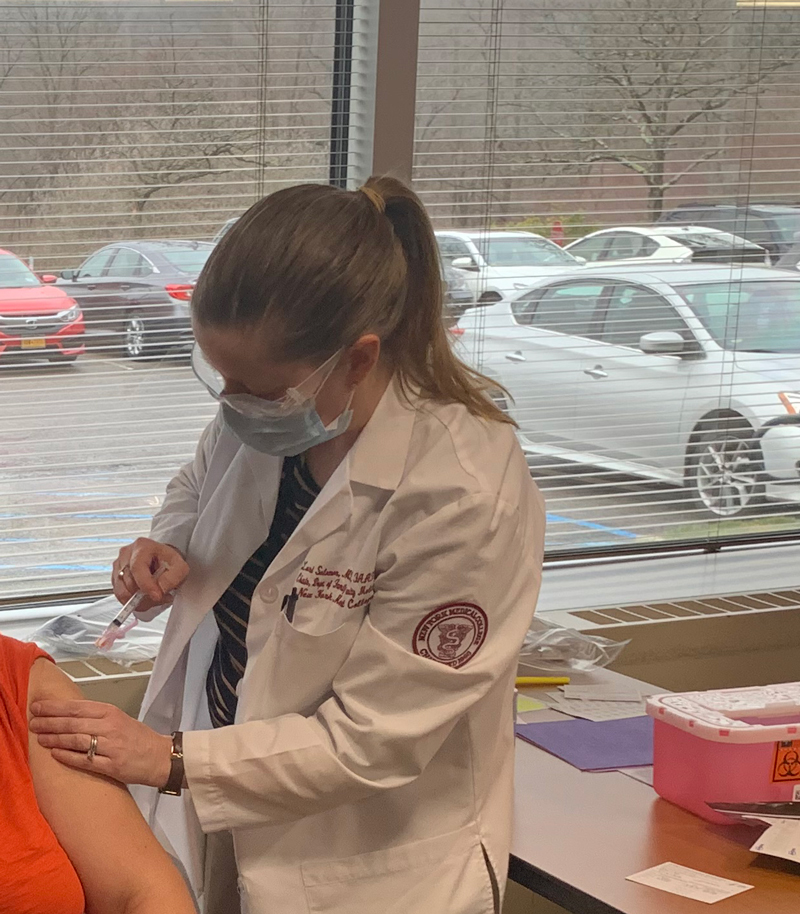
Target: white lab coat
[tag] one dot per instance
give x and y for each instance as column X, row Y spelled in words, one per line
column 370, row 766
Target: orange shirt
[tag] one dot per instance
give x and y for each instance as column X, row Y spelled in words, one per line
column 36, row 876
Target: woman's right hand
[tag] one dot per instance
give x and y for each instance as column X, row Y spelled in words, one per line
column 134, row 568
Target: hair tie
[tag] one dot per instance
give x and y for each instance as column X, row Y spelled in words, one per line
column 375, row 198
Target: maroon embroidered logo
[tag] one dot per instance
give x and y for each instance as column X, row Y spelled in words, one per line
column 451, row 634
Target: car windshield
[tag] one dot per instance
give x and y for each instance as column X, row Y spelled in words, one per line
column 187, row 260
column 226, row 228
column 14, row 274
column 788, row 225
column 522, row 252
column 758, row 316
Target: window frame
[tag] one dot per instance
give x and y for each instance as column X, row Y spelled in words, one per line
column 122, row 249
column 686, row 331
column 452, row 239
column 540, row 294
column 624, row 233
column 602, row 237
column 111, row 252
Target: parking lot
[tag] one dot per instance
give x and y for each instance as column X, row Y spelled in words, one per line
column 84, row 467
column 88, row 449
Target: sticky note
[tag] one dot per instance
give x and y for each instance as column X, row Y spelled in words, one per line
column 680, row 880
column 525, row 703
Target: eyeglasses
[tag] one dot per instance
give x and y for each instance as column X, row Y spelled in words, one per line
column 206, row 374
column 214, row 383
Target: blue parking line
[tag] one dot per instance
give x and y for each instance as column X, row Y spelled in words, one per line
column 88, row 494
column 59, row 567
column 77, row 539
column 112, row 516
column 85, row 516
column 590, row 525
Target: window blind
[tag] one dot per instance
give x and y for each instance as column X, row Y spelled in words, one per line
column 617, row 181
column 132, row 133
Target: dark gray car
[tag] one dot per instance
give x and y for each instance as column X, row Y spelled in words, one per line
column 136, row 294
column 772, row 225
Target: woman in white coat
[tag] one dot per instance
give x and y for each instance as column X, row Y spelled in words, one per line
column 357, row 549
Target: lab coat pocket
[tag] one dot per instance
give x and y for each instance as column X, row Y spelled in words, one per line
column 301, row 666
column 446, row 873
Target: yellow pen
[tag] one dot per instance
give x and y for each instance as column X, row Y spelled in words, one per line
column 541, row 680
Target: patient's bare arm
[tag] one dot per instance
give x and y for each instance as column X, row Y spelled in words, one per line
column 122, row 867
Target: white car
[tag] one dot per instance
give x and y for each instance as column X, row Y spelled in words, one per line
column 664, row 244
column 499, row 264
column 685, row 374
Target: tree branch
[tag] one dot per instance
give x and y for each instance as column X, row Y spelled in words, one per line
column 712, row 153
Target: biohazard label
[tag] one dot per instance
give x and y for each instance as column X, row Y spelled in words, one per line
column 786, row 764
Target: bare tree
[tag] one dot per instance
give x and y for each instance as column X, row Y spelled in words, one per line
column 657, row 74
column 141, row 118
column 180, row 132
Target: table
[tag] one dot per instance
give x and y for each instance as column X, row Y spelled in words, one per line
column 577, row 835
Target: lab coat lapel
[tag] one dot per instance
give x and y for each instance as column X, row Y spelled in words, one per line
column 377, row 459
column 331, row 510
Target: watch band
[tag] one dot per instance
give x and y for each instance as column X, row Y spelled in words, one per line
column 174, row 783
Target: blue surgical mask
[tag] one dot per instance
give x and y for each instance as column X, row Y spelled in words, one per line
column 282, row 428
column 285, row 436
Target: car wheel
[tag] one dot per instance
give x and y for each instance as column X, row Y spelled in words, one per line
column 725, row 469
column 133, row 337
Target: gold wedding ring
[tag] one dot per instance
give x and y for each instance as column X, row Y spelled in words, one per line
column 92, row 748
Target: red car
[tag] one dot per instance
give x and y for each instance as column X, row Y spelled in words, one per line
column 36, row 318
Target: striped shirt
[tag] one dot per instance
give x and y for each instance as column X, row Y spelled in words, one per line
column 296, row 494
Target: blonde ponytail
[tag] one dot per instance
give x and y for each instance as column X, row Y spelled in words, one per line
column 419, row 346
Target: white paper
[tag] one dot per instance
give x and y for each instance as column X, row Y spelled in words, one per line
column 601, row 693
column 781, row 839
column 680, row 880
column 644, row 774
column 796, row 796
column 594, row 710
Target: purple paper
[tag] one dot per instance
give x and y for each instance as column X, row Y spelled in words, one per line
column 595, row 745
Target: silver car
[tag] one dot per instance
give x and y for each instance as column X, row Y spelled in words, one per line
column 687, row 375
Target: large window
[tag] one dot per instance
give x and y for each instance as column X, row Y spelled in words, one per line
column 131, row 132
column 659, row 401
column 654, row 379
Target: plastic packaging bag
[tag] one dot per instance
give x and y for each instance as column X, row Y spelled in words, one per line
column 553, row 648
column 73, row 636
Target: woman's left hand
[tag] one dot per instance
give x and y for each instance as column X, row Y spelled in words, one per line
column 125, row 749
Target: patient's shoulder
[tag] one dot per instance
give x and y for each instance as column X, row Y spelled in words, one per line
column 48, row 681
column 17, row 660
